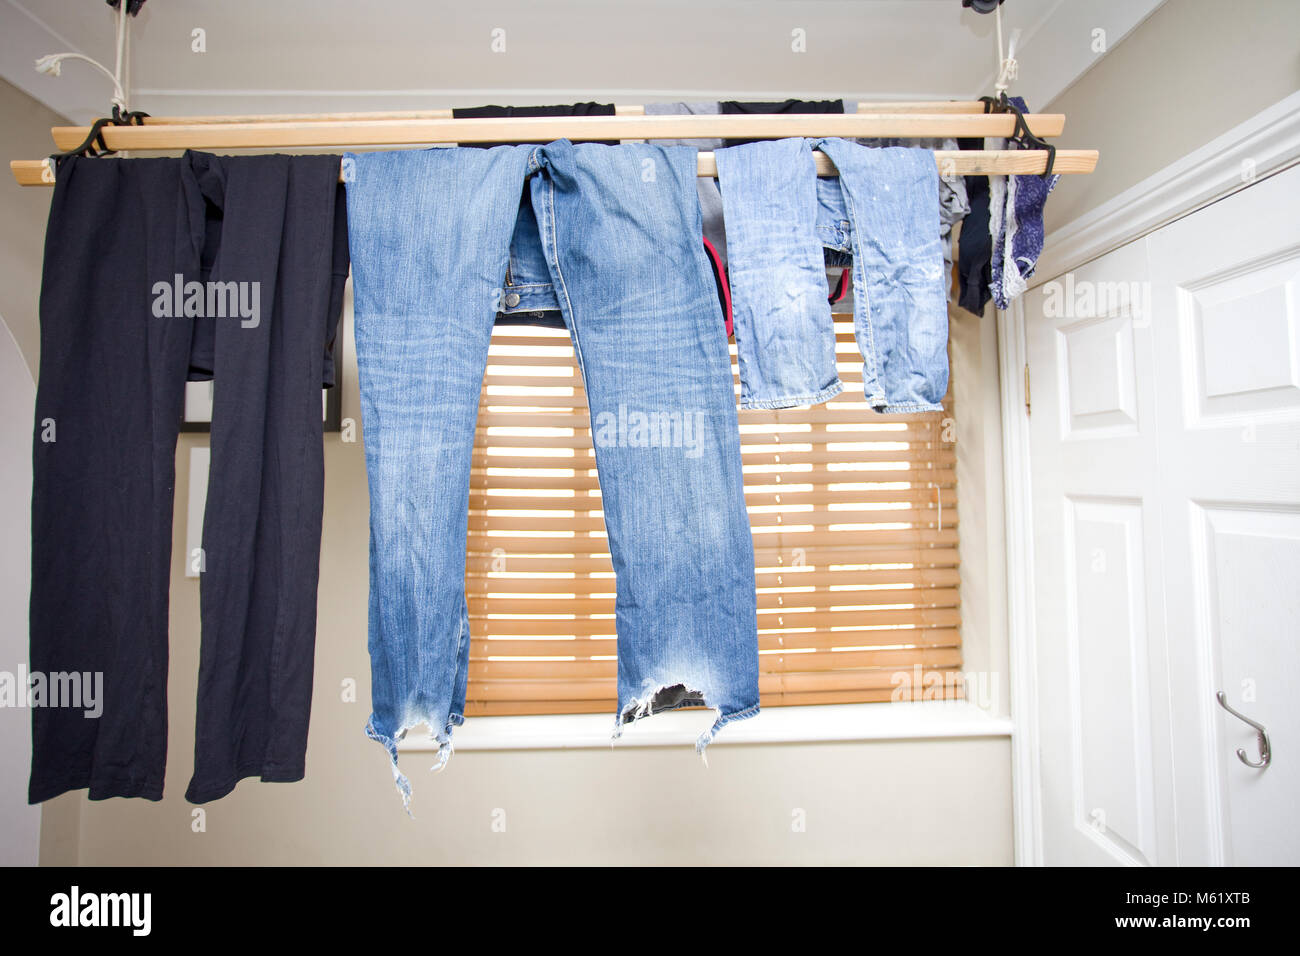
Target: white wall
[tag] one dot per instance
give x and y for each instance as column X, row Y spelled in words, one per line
column 1191, row 72
column 24, row 134
column 24, row 130
column 977, row 418
column 20, row 824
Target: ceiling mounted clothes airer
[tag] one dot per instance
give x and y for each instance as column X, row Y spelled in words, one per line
column 990, row 120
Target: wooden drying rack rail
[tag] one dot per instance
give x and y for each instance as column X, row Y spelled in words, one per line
column 921, row 120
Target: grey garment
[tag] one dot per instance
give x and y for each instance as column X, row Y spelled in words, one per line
column 710, row 198
column 685, row 109
column 953, row 206
column 711, row 211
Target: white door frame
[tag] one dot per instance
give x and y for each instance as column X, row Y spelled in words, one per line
column 1261, row 146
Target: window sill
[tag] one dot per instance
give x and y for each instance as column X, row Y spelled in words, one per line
column 826, row 722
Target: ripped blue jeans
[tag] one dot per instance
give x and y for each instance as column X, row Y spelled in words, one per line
column 883, row 211
column 619, row 227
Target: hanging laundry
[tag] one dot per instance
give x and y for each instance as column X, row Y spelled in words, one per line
column 1016, row 224
column 569, row 109
column 974, row 243
column 528, row 298
column 686, row 109
column 786, row 106
column 785, row 340
column 257, row 247
column 705, row 186
column 953, row 201
column 430, row 239
column 882, row 210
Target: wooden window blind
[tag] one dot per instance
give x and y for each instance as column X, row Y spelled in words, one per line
column 854, row 516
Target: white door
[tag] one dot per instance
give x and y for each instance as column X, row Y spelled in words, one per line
column 1165, row 470
column 1226, row 286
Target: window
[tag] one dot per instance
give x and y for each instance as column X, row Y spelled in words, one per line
column 855, row 534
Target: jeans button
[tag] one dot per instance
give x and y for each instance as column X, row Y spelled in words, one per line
column 512, row 300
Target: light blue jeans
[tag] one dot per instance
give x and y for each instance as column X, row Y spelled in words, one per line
column 883, row 210
column 430, row 234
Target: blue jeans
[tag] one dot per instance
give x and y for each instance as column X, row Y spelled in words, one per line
column 883, row 210
column 619, row 227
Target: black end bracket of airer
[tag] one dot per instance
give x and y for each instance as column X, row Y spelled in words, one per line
column 93, row 144
column 1022, row 134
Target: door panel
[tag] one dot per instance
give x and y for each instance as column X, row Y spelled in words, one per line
column 1103, row 710
column 1247, row 561
column 1106, row 633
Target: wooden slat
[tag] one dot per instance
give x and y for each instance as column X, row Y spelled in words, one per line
column 760, row 523
column 922, row 597
column 493, row 689
column 853, row 563
column 506, row 370
column 953, row 106
column 39, row 172
column 921, row 495
column 850, row 375
column 846, row 407
column 858, row 549
column 481, row 648
column 769, row 559
column 920, row 457
column 920, row 617
column 860, row 697
column 481, row 583
column 620, row 109
column 913, row 537
column 917, row 438
column 493, row 433
column 541, row 129
column 474, row 708
column 511, row 412
column 803, row 664
column 588, row 481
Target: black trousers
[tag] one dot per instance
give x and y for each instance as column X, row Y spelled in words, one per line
column 134, row 250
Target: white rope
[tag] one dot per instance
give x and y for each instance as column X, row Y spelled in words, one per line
column 121, row 51
column 1008, row 68
column 50, row 63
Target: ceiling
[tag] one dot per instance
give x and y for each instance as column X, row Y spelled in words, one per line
column 328, row 55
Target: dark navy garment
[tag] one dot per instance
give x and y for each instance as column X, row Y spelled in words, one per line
column 975, row 245
column 567, row 109
column 785, row 106
column 115, row 354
